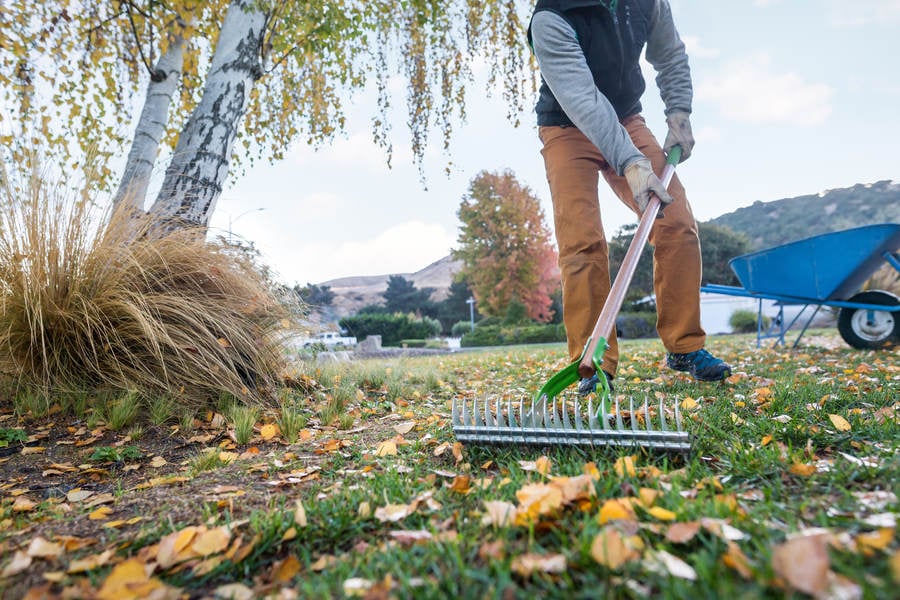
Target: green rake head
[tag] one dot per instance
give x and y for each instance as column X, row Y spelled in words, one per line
column 553, row 419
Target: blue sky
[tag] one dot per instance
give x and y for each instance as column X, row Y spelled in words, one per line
column 791, row 97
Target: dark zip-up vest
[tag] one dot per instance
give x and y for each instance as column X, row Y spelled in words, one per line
column 612, row 42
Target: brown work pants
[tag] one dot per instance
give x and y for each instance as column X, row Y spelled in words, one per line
column 572, row 163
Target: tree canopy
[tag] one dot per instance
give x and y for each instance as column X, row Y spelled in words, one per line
column 72, row 73
column 506, row 247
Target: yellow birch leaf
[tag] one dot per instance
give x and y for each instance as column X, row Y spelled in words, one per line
column 285, row 570
column 268, row 431
column 386, row 448
column 615, row 509
column 128, row 580
column 737, row 560
column 89, row 563
column 662, row 514
column 543, row 465
column 839, row 422
column 101, row 514
column 624, row 466
column 499, row 513
column 875, row 540
column 648, row 496
column 211, row 541
column 299, row 513
column 895, row 565
column 610, row 550
column 364, row 510
column 802, row 469
column 689, row 403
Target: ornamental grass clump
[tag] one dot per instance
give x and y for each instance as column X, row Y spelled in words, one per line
column 90, row 300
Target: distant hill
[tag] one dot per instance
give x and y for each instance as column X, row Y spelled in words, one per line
column 765, row 224
column 352, row 293
column 769, row 224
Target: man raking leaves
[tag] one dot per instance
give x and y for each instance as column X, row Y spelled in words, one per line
column 589, row 122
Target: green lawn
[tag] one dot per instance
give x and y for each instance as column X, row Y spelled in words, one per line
column 792, row 486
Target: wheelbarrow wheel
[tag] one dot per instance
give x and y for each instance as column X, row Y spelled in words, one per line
column 870, row 329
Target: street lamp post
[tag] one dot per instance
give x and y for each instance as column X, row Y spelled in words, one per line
column 230, row 220
column 471, row 303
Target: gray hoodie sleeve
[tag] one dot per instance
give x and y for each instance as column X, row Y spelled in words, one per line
column 665, row 51
column 566, row 72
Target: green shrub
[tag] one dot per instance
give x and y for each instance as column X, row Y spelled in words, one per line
column 461, row 328
column 495, row 335
column 744, row 321
column 636, row 325
column 392, row 328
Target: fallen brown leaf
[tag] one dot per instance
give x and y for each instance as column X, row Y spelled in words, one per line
column 803, row 563
column 527, row 564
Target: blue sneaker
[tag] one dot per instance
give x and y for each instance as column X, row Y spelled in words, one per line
column 588, row 385
column 702, row 365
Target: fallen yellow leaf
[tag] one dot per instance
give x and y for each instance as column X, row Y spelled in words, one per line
column 386, row 448
column 624, row 466
column 285, row 570
column 661, row 513
column 839, row 422
column 499, row 513
column 299, row 513
column 128, row 580
column 737, row 560
column 610, row 550
column 802, row 469
column 615, row 509
column 100, row 514
column 268, row 431
column 875, row 540
column 89, row 563
column 210, row 541
column 895, row 565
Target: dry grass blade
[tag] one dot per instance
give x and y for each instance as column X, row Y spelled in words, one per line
column 87, row 300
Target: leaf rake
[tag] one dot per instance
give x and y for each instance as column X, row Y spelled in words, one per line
column 549, row 419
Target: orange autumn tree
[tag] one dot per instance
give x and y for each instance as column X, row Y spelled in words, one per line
column 505, row 247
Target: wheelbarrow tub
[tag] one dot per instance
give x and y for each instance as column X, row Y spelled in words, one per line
column 831, row 266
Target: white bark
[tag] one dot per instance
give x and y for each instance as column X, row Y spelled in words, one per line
column 199, row 166
column 151, row 128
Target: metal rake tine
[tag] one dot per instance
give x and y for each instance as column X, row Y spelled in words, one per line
column 631, row 414
column 677, row 417
column 510, row 415
column 566, row 423
column 604, row 414
column 579, row 426
column 475, row 417
column 499, row 414
column 620, row 425
column 454, row 416
column 546, row 417
column 662, row 415
column 647, row 422
column 592, row 418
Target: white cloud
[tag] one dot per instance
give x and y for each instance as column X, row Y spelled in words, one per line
column 358, row 151
column 857, row 14
column 403, row 248
column 695, row 49
column 707, row 135
column 765, row 3
column 750, row 91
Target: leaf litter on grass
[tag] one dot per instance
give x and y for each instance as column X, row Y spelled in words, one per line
column 367, row 509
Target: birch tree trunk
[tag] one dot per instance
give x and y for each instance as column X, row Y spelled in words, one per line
column 151, row 127
column 199, row 166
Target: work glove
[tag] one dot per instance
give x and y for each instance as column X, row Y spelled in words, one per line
column 644, row 182
column 679, row 134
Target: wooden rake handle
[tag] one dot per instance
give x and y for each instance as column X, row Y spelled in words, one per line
column 607, row 319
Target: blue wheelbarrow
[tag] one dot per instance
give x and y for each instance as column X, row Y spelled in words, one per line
column 825, row 270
